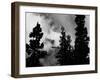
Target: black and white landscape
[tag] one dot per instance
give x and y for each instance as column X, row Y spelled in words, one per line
column 57, row 39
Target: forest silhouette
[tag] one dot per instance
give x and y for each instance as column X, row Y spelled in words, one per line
column 66, row 54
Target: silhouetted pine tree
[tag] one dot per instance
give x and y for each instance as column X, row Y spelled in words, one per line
column 81, row 42
column 34, row 46
column 65, row 53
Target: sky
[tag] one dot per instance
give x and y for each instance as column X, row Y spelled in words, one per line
column 51, row 26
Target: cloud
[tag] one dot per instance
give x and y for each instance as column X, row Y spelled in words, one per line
column 52, row 39
column 51, row 26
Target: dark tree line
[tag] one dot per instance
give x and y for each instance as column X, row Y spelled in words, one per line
column 80, row 54
column 67, row 54
column 82, row 41
column 34, row 47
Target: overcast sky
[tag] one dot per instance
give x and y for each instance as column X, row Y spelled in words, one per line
column 51, row 26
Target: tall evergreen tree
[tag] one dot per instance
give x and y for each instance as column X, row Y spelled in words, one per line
column 34, row 47
column 64, row 55
column 82, row 41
